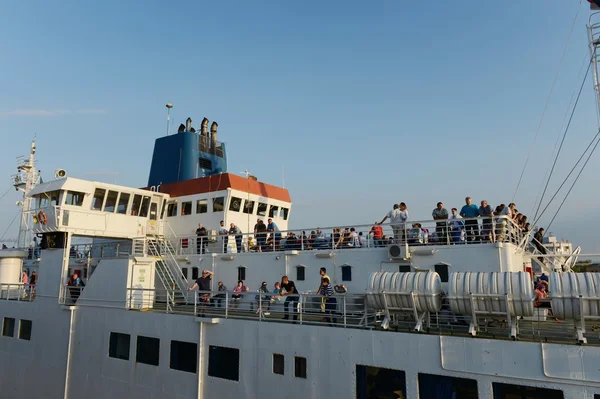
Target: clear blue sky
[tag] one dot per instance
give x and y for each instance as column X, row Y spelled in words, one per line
column 364, row 104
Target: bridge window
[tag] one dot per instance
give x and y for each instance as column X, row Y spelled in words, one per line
column 300, row 273
column 430, row 385
column 123, row 202
column 284, row 213
column 118, row 346
column 8, row 327
column 98, row 199
column 50, row 199
column 248, row 207
column 262, row 209
column 278, row 364
column 144, row 207
column 300, row 367
column 241, row 273
column 184, row 356
column 74, row 198
column 111, row 201
column 218, row 204
column 379, row 382
column 162, row 209
column 135, row 206
column 509, row 391
column 172, row 209
column 186, row 208
column 235, row 204
column 346, row 273
column 273, row 211
column 202, row 206
column 224, row 362
column 153, row 211
column 25, row 329
column 148, row 350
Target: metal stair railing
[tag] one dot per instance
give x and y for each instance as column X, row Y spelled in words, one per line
column 168, row 271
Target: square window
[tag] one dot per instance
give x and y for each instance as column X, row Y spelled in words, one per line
column 74, row 198
column 224, row 362
column 184, row 356
column 186, row 208
column 98, row 199
column 278, row 364
column 202, row 206
column 118, row 346
column 248, row 207
column 262, row 209
column 8, row 327
column 25, row 329
column 148, row 350
column 235, row 204
column 300, row 367
column 218, row 204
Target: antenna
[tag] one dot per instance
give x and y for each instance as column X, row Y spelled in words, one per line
column 169, row 106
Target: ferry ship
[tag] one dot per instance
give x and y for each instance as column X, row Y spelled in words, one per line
column 101, row 297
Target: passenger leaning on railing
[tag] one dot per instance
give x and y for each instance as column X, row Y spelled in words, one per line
column 291, row 297
column 203, row 284
column 75, row 285
column 326, row 291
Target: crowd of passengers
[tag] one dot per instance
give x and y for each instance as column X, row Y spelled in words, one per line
column 283, row 291
column 452, row 227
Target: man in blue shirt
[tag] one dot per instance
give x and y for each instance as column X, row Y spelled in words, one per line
column 470, row 210
column 272, row 227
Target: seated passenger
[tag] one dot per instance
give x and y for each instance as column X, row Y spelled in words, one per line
column 238, row 295
column 417, row 235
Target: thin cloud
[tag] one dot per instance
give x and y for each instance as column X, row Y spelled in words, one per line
column 51, row 112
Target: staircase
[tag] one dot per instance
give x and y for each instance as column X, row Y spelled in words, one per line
column 168, row 270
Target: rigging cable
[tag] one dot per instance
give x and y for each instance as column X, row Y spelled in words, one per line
column 537, row 131
column 569, row 175
column 563, row 138
column 572, row 185
column 6, row 231
column 3, row 195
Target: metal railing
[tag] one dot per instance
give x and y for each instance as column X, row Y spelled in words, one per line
column 467, row 231
column 351, row 311
column 104, row 249
column 17, row 292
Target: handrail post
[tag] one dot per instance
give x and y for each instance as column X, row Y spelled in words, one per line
column 226, row 304
column 300, row 307
column 344, row 309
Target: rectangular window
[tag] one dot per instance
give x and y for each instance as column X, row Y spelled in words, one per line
column 74, row 198
column 172, row 209
column 118, row 346
column 135, row 206
column 218, row 204
column 379, row 382
column 509, row 391
column 248, row 207
column 123, row 202
column 202, row 206
column 442, row 270
column 278, row 364
column 184, row 272
column 153, row 211
column 144, row 207
column 284, row 213
column 262, row 209
column 235, row 204
column 162, row 209
column 184, row 356
column 25, row 329
column 111, row 201
column 195, row 273
column 148, row 350
column 98, row 199
column 346, row 273
column 404, row 268
column 224, row 362
column 49, row 199
column 460, row 388
column 300, row 273
column 241, row 273
column 273, row 211
column 8, row 327
column 300, row 367
column 205, row 163
column 186, row 208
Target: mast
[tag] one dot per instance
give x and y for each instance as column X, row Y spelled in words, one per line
column 25, row 180
column 593, row 29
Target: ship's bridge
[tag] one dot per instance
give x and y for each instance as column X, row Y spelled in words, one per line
column 91, row 208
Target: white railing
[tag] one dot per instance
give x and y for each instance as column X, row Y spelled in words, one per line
column 467, row 231
column 17, row 292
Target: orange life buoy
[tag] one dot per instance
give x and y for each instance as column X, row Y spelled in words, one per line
column 42, row 217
